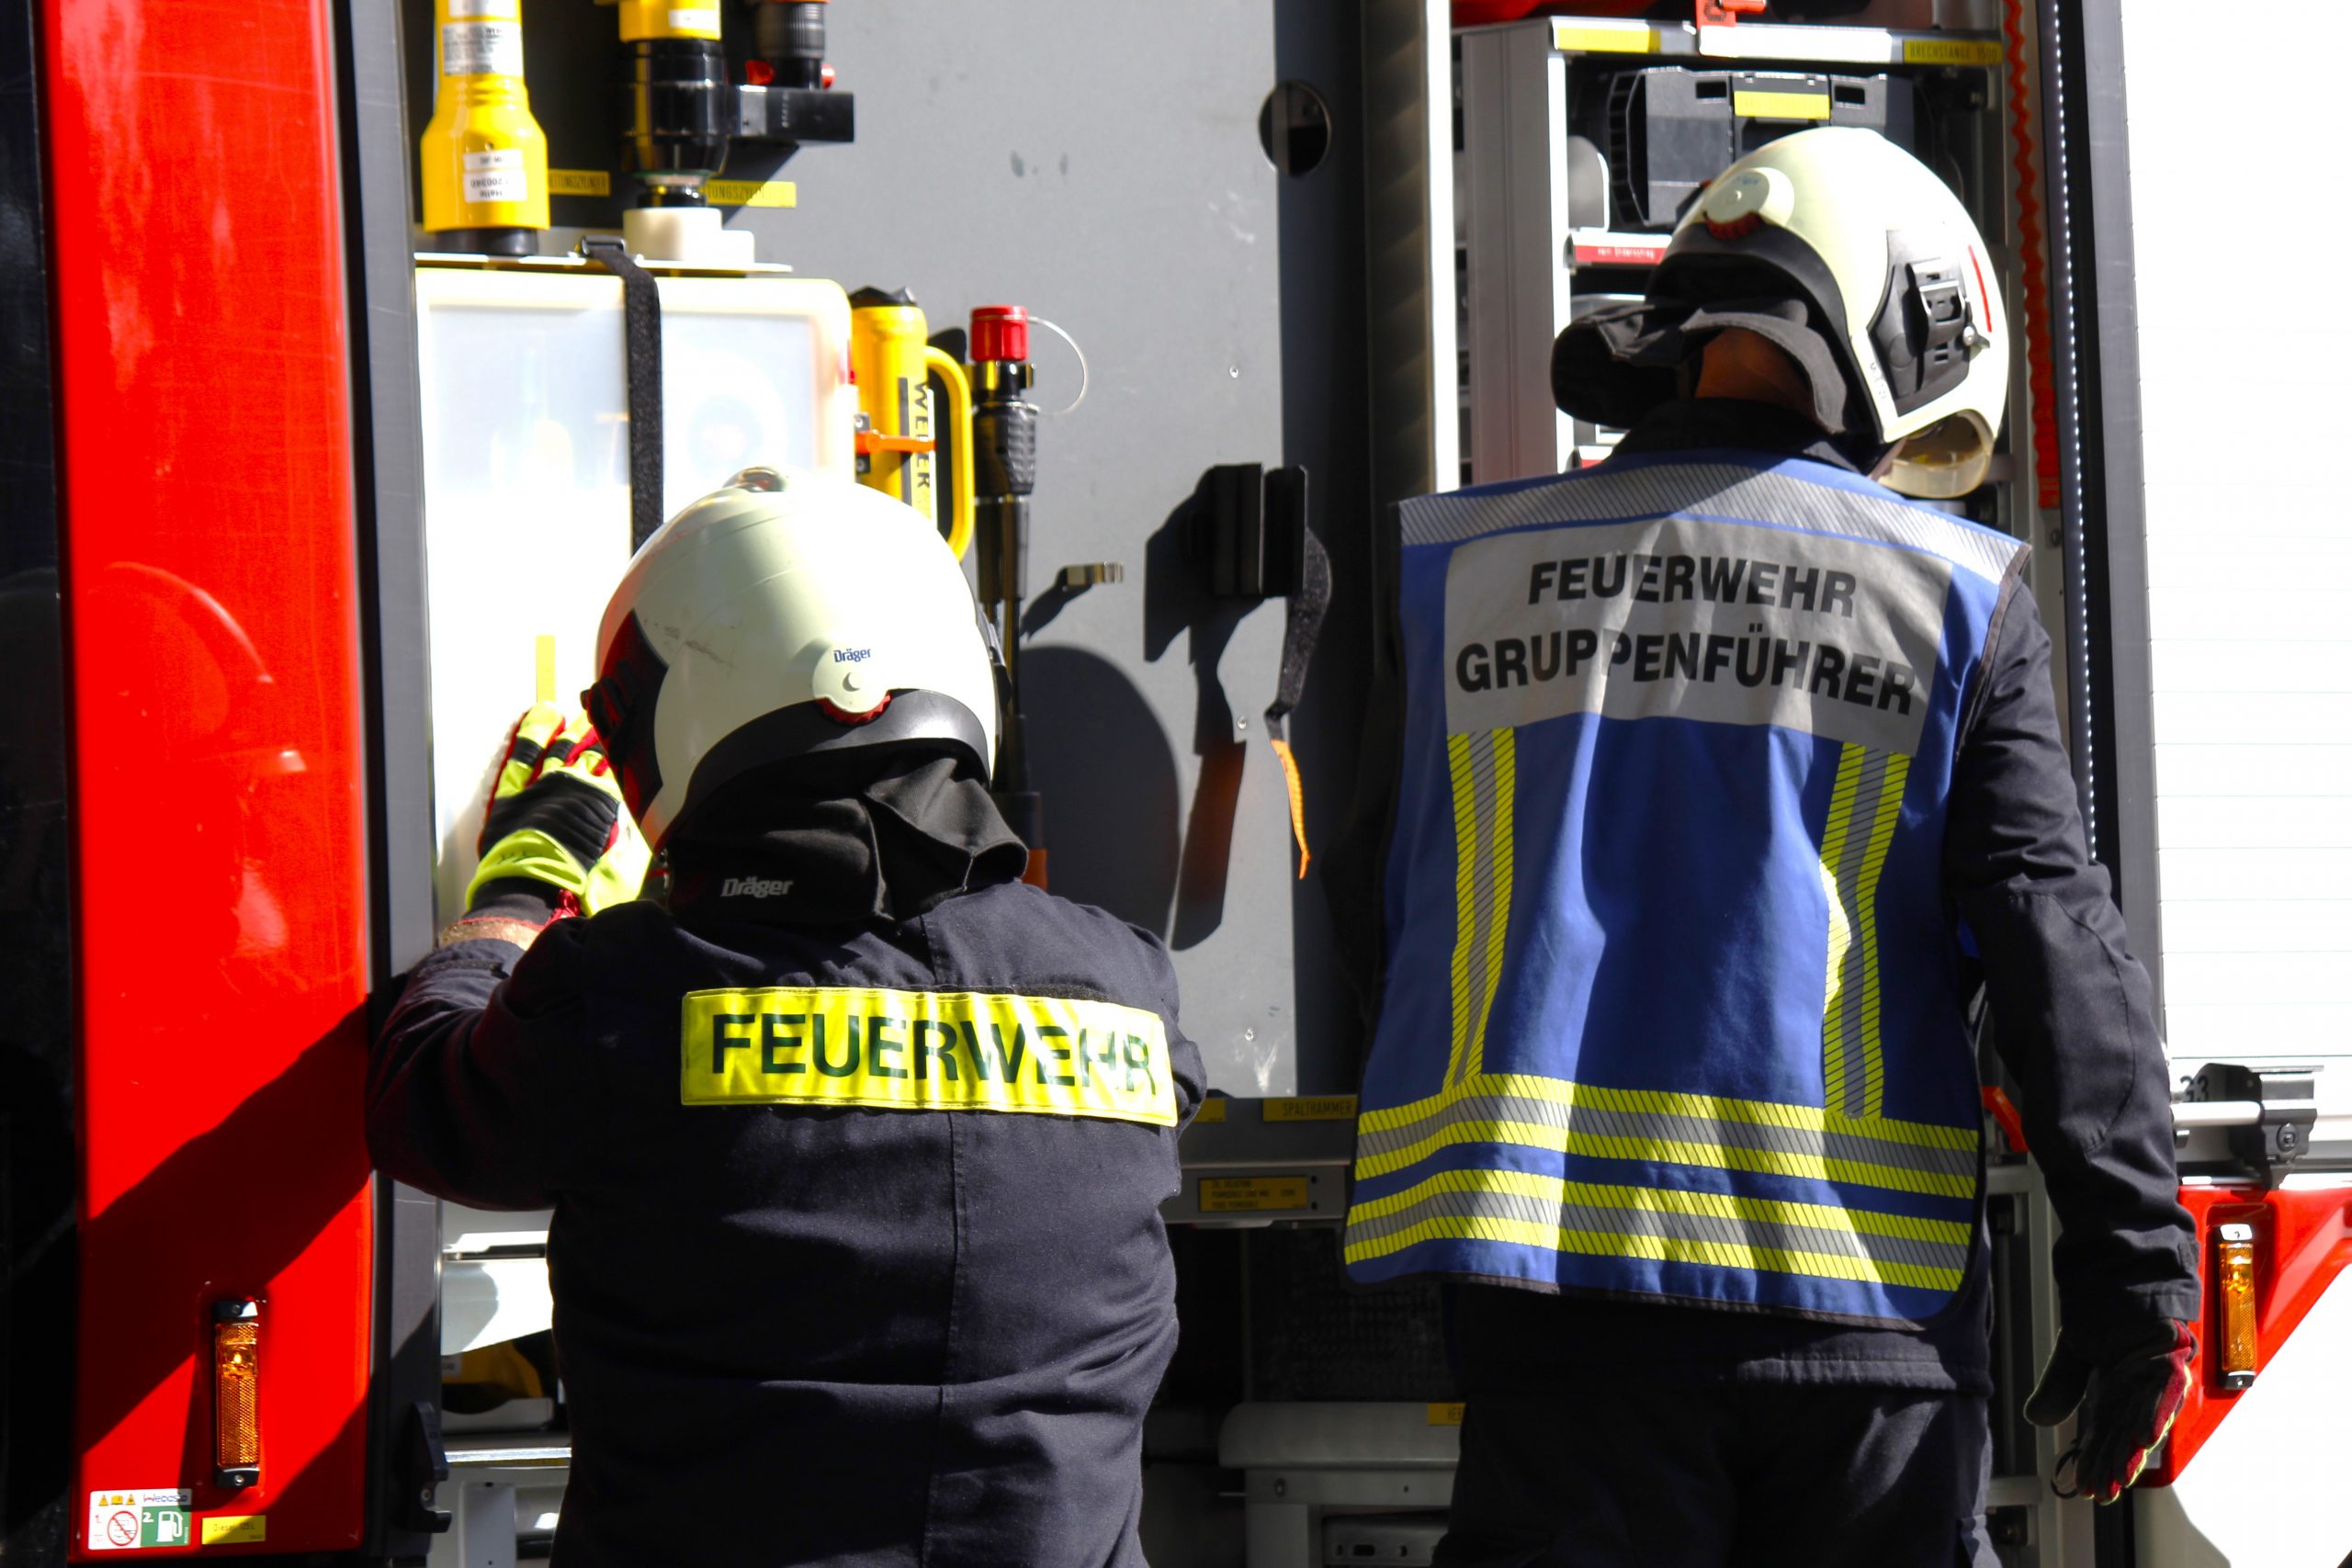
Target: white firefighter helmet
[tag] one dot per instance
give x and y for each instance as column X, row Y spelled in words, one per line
column 1896, row 274
column 786, row 615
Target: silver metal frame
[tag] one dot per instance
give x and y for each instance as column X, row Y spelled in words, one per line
column 1514, row 195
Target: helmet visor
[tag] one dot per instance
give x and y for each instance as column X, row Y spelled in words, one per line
column 1947, row 459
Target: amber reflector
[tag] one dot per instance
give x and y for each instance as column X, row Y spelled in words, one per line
column 2239, row 1344
column 236, row 1385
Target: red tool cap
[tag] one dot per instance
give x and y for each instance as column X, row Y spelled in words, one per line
column 1000, row 331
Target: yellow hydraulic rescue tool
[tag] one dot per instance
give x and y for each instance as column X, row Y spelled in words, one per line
column 484, row 159
column 892, row 359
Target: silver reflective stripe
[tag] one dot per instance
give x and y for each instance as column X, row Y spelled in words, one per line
column 1720, row 489
column 1852, row 1070
column 1583, row 1121
column 1484, row 769
column 1610, row 1219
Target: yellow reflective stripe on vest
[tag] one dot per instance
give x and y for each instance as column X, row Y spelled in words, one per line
column 925, row 1051
column 1642, row 1221
column 1485, row 772
column 1863, row 806
column 1666, row 1128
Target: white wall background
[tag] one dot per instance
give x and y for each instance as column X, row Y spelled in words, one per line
column 2244, row 346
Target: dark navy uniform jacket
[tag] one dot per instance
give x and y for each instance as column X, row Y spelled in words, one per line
column 809, row 1335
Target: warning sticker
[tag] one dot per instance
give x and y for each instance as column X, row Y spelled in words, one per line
column 578, row 182
column 127, row 1520
column 1212, row 1110
column 482, row 49
column 496, row 176
column 1314, row 1107
column 1951, row 51
column 1251, row 1194
column 239, row 1530
column 752, row 193
column 1446, row 1415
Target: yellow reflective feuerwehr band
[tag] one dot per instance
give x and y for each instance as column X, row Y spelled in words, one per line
column 1483, row 771
column 1761, row 1112
column 1500, row 852
column 925, row 1051
column 1669, row 1199
column 1841, row 925
column 1465, row 860
column 1865, row 804
column 1882, row 839
column 1672, row 1151
column 1659, row 1248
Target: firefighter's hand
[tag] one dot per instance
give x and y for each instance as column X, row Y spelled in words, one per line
column 2126, row 1393
column 556, row 820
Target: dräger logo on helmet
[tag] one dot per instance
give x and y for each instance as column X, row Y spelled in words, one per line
column 852, row 654
column 755, row 888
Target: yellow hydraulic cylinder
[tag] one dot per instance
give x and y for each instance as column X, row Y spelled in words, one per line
column 893, row 361
column 483, row 158
column 668, row 18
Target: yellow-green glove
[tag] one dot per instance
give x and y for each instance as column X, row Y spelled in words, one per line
column 556, row 820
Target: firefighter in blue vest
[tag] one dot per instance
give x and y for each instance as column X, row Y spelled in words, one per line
column 1725, row 771
column 856, row 1146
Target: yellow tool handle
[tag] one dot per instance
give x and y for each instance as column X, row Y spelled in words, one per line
column 940, row 363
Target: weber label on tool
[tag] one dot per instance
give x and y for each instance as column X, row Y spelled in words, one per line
column 482, row 49
column 1722, row 622
column 496, row 176
column 127, row 1519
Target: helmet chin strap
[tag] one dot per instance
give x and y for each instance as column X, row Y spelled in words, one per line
column 1871, row 457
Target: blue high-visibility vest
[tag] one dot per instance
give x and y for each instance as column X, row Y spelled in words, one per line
column 1672, row 1005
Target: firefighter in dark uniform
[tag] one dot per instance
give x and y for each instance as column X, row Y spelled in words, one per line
column 856, row 1148
column 1726, row 771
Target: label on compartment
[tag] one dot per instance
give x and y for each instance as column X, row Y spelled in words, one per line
column 1313, row 1108
column 482, row 49
column 1251, row 1194
column 496, row 176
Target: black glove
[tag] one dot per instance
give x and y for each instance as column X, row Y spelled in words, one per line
column 2128, row 1392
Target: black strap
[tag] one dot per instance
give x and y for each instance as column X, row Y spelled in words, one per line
column 1301, row 627
column 1308, row 599
column 641, row 308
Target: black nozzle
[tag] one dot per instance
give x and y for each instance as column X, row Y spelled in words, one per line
column 791, row 39
column 678, row 106
column 487, row 242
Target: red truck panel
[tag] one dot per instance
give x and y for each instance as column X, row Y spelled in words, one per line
column 220, row 844
column 2302, row 1241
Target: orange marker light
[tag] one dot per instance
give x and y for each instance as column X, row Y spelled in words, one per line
column 236, row 1394
column 2241, row 1346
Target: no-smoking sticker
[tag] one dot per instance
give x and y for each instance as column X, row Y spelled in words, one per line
column 128, row 1520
